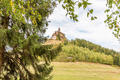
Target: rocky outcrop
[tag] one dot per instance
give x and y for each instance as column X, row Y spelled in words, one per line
column 58, row 35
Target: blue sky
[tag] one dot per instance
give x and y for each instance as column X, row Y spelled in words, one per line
column 95, row 31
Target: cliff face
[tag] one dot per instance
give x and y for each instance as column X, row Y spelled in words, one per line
column 58, row 35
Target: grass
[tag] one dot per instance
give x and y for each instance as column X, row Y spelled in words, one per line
column 84, row 71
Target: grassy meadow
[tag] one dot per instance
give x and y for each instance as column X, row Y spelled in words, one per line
column 84, row 71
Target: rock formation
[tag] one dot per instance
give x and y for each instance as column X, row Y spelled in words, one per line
column 58, row 35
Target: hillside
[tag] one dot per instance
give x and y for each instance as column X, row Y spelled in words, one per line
column 73, row 53
column 96, row 48
column 84, row 71
column 92, row 46
column 81, row 50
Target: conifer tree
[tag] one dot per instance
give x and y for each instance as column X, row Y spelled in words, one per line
column 22, row 25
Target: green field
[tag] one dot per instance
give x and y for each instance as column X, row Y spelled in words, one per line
column 84, row 71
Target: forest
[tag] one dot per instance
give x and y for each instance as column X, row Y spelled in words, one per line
column 82, row 50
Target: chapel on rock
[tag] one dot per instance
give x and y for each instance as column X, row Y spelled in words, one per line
column 58, row 35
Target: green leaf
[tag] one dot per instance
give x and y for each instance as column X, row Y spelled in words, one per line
column 88, row 14
column 91, row 11
column 79, row 4
column 107, row 10
column 95, row 17
column 92, row 18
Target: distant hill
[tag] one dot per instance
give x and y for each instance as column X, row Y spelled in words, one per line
column 92, row 46
column 96, row 48
column 73, row 53
column 89, row 51
column 81, row 50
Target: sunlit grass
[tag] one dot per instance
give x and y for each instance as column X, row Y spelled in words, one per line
column 84, row 71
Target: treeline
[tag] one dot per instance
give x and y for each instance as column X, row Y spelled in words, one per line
column 96, row 48
column 92, row 46
column 73, row 53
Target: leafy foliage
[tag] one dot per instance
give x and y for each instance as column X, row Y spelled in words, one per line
column 71, row 5
column 113, row 15
column 96, row 48
column 112, row 12
column 75, row 53
column 92, row 46
column 22, row 25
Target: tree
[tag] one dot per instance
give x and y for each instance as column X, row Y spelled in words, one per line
column 22, row 27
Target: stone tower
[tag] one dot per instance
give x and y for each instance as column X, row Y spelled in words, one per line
column 58, row 29
column 58, row 35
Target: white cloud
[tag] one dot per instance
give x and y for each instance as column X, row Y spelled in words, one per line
column 94, row 31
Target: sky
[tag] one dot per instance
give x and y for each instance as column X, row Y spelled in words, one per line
column 95, row 31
